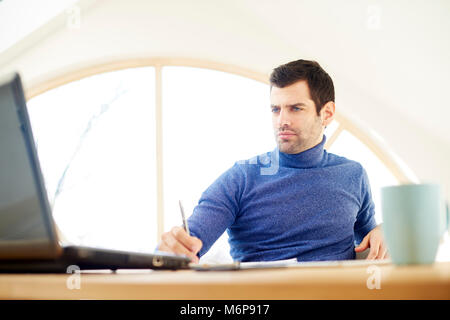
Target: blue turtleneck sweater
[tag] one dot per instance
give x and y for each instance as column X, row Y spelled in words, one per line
column 313, row 205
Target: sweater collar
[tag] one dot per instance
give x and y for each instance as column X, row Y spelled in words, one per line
column 306, row 159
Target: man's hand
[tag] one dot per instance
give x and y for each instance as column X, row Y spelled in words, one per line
column 375, row 241
column 178, row 241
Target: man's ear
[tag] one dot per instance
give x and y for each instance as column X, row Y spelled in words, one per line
column 327, row 113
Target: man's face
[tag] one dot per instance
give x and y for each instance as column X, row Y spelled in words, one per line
column 296, row 125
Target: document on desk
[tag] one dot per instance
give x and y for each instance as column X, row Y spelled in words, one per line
column 269, row 264
column 288, row 263
column 237, row 265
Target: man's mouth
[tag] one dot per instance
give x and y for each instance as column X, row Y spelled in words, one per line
column 286, row 134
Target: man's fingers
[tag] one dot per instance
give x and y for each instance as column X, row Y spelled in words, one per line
column 172, row 245
column 179, row 242
column 374, row 239
column 374, row 249
column 382, row 254
column 178, row 248
column 363, row 245
column 193, row 244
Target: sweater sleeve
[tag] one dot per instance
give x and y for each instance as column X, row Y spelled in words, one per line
column 217, row 207
column 365, row 219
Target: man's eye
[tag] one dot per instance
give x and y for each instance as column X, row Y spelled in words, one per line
column 296, row 109
column 275, row 109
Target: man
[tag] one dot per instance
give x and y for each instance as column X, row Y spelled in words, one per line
column 297, row 201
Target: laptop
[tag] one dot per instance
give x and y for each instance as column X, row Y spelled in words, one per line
column 29, row 240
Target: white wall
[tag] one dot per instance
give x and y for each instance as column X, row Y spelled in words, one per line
column 389, row 59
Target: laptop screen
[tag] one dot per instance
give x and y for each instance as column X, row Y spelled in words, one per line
column 25, row 224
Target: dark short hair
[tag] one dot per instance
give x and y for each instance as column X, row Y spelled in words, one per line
column 319, row 82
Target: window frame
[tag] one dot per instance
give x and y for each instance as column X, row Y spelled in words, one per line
column 78, row 73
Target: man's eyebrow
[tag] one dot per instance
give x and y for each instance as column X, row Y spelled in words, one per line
column 299, row 104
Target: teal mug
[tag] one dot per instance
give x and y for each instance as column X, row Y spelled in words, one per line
column 414, row 219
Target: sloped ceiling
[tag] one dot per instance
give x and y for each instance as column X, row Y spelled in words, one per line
column 19, row 18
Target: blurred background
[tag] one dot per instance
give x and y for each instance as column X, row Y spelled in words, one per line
column 137, row 104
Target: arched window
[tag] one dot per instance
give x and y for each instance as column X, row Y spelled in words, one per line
column 95, row 140
column 119, row 148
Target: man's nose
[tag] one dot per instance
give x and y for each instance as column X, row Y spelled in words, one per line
column 284, row 119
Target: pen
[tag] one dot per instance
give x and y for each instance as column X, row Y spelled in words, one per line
column 185, row 224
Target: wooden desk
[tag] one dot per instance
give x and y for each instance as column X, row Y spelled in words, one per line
column 338, row 282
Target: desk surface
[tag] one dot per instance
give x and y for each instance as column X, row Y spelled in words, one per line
column 323, row 282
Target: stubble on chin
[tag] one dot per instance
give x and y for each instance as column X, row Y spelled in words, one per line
column 289, row 147
column 294, row 147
